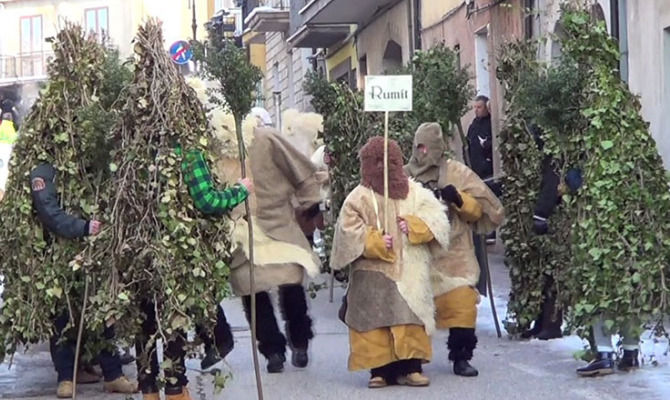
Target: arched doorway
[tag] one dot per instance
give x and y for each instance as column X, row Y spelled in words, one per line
column 392, row 57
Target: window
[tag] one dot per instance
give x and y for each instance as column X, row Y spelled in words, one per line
column 482, row 63
column 32, row 63
column 97, row 21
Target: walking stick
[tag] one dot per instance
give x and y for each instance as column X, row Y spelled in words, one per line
column 489, row 284
column 252, row 278
column 482, row 239
column 386, row 172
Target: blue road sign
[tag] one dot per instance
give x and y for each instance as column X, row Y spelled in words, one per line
column 181, row 52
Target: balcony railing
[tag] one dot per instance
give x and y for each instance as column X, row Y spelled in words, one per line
column 24, row 66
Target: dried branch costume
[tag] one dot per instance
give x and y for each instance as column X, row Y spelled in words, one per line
column 390, row 311
column 455, row 270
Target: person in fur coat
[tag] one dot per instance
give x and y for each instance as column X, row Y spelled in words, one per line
column 287, row 194
column 473, row 207
column 389, row 304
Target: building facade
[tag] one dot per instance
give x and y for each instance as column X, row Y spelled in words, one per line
column 26, row 24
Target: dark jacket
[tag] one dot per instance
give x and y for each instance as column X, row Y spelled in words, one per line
column 480, row 146
column 47, row 206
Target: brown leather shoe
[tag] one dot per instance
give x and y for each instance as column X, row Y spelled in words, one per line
column 182, row 396
column 414, row 379
column 121, row 385
column 64, row 390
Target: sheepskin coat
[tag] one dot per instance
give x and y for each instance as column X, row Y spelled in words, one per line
column 383, row 294
column 457, row 266
column 285, row 183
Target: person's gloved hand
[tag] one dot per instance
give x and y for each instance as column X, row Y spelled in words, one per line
column 573, row 179
column 540, row 226
column 450, row 194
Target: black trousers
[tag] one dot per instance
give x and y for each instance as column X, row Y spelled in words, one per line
column 147, row 358
column 223, row 336
column 62, row 350
column 461, row 344
column 391, row 372
column 293, row 305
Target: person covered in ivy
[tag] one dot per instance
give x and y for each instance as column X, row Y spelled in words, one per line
column 57, row 223
column 210, row 201
column 389, row 306
column 455, row 273
column 547, row 325
column 286, row 198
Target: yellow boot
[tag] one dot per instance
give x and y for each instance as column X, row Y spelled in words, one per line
column 120, row 385
column 151, row 396
column 64, row 390
column 182, row 396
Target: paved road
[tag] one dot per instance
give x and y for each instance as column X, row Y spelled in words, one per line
column 508, row 369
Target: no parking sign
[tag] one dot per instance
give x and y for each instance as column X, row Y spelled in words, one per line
column 181, row 52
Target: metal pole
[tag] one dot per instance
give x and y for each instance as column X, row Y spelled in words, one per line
column 194, row 24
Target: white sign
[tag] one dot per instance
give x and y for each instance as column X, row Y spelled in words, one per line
column 388, row 93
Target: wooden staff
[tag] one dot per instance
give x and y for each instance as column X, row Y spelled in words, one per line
column 386, row 172
column 252, row 278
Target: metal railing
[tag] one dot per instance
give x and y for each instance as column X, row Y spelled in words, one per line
column 24, row 65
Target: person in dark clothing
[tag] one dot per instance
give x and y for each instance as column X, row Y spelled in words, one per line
column 58, row 222
column 480, row 140
column 548, row 324
column 480, row 155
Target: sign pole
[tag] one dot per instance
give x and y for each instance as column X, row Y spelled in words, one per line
column 386, row 172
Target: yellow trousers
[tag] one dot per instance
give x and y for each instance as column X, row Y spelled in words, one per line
column 382, row 346
column 457, row 308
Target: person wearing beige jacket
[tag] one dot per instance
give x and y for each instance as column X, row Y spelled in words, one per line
column 472, row 207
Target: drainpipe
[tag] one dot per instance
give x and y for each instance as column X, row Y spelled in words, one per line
column 530, row 6
column 410, row 27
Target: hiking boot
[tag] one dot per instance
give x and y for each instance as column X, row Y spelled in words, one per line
column 184, row 395
column 629, row 361
column 377, row 382
column 299, row 358
column 151, row 396
column 120, row 385
column 603, row 364
column 414, row 379
column 276, row 363
column 211, row 358
column 463, row 368
column 64, row 390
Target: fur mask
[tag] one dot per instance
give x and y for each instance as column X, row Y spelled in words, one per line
column 372, row 168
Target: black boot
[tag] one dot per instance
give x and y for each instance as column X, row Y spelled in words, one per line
column 461, row 344
column 298, row 327
column 532, row 332
column 463, row 368
column 552, row 320
column 276, row 363
column 603, row 364
column 629, row 361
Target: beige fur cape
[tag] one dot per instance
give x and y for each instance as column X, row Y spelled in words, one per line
column 410, row 272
